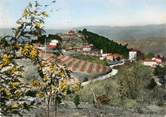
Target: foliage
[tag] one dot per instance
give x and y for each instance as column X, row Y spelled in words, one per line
column 133, row 84
column 160, row 71
column 104, row 43
column 14, row 98
column 30, row 25
column 55, row 78
column 12, row 88
column 134, row 79
column 129, row 86
column 3, row 42
column 77, row 100
column 16, row 94
column 149, row 55
column 29, row 52
column 5, row 60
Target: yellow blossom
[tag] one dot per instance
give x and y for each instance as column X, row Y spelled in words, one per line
column 45, row 78
column 26, row 13
column 76, row 87
column 40, row 95
column 29, row 51
column 14, row 105
column 38, row 25
column 45, row 14
column 18, row 93
column 63, row 85
column 5, row 60
column 36, row 83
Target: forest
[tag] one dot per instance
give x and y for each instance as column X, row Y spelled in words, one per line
column 101, row 42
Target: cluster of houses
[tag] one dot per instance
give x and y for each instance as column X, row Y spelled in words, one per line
column 51, row 45
column 116, row 59
column 84, row 48
column 151, row 62
column 69, row 35
column 113, row 58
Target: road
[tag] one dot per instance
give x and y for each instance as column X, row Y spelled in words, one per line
column 112, row 73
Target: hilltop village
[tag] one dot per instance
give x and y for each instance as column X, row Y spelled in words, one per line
column 90, row 56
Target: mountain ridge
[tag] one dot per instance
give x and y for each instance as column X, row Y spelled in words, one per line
column 153, row 31
column 130, row 32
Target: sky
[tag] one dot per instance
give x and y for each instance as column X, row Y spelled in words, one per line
column 73, row 13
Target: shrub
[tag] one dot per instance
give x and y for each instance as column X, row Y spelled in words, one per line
column 134, row 81
column 77, row 100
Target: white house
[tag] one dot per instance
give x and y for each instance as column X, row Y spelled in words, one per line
column 53, row 44
column 132, row 55
column 101, row 51
column 87, row 48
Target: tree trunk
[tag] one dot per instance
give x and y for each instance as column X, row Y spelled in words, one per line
column 48, row 107
column 55, row 106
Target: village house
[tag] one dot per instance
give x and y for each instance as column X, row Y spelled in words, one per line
column 150, row 63
column 84, row 49
column 158, row 60
column 90, row 53
column 71, row 33
column 68, row 35
column 135, row 55
column 111, row 56
column 53, row 44
column 87, row 48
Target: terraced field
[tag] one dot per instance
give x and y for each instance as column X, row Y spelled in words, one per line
column 77, row 65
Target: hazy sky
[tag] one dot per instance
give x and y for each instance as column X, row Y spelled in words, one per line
column 73, row 13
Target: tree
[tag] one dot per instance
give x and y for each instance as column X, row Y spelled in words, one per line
column 13, row 99
column 160, row 72
column 13, row 89
column 134, row 80
column 77, row 100
column 104, row 43
column 15, row 92
column 30, row 25
column 3, row 42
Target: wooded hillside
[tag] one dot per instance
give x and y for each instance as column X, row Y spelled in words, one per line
column 101, row 42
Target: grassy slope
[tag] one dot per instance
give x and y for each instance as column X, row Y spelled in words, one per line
column 110, row 87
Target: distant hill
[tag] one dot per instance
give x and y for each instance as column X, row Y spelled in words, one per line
column 147, row 45
column 117, row 33
column 6, row 31
column 130, row 32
